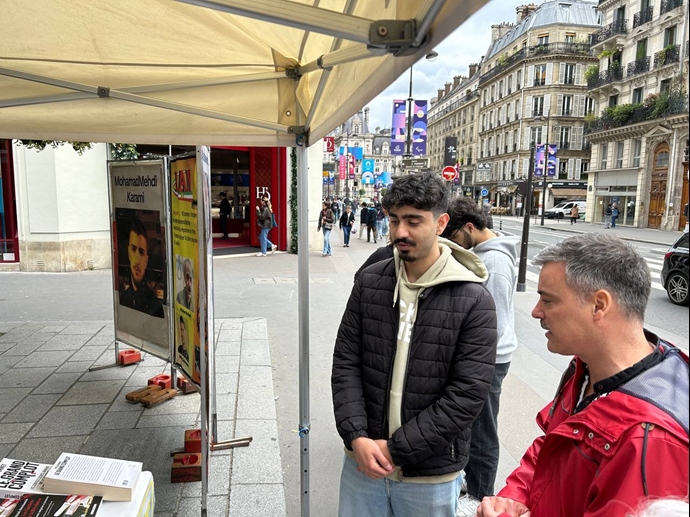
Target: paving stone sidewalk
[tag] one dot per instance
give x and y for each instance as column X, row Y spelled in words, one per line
column 50, row 403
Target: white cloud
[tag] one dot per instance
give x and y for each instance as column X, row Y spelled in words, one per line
column 464, row 46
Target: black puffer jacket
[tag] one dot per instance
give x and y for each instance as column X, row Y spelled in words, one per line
column 449, row 369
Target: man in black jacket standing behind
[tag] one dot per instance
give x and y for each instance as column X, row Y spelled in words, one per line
column 413, row 363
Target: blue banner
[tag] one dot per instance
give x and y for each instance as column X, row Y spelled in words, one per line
column 398, row 128
column 367, row 178
column 368, row 165
column 543, row 158
column 353, row 151
column 419, row 123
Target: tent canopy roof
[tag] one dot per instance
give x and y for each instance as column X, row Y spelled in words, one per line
column 240, row 72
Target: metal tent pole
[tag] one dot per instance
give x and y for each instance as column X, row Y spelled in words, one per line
column 303, row 313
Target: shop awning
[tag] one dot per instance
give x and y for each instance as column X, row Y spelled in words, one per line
column 569, row 192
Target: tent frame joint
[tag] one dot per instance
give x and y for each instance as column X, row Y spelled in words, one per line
column 319, row 63
column 395, row 37
column 103, row 92
column 293, row 73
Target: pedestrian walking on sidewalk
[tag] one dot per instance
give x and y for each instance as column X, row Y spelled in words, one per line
column 371, row 223
column 264, row 217
column 489, row 218
column 363, row 219
column 347, row 221
column 499, row 251
column 607, row 216
column 326, row 220
column 574, row 214
column 617, row 429
column 412, row 364
column 614, row 215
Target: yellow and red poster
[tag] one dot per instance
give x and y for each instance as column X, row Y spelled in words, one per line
column 185, row 258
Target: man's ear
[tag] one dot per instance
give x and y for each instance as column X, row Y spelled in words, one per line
column 602, row 303
column 441, row 223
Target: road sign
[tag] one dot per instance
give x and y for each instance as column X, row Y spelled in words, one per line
column 485, row 192
column 415, row 162
column 449, row 173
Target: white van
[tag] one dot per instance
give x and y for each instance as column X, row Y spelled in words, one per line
column 562, row 210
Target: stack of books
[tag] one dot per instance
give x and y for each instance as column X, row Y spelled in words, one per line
column 75, row 486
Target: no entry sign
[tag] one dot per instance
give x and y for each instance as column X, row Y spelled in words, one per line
column 449, row 173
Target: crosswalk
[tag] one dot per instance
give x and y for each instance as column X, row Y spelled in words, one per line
column 653, row 263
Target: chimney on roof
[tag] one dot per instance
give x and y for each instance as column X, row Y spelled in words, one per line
column 456, row 80
column 500, row 30
column 440, row 93
column 473, row 69
column 523, row 11
column 447, row 87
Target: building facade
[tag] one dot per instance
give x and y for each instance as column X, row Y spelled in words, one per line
column 533, row 91
column 453, row 113
column 640, row 134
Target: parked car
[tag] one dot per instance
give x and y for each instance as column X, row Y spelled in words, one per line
column 562, row 210
column 674, row 273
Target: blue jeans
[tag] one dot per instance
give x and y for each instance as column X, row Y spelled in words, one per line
column 613, row 221
column 379, row 227
column 346, row 234
column 361, row 496
column 263, row 239
column 326, row 242
column 484, row 446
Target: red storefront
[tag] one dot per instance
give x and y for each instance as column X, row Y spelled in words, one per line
column 9, row 241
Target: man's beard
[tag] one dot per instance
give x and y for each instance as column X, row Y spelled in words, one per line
column 406, row 255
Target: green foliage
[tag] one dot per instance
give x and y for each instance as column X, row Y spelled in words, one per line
column 124, row 151
column 590, row 117
column 541, row 49
column 502, row 60
column 362, row 192
column 39, row 145
column 659, row 107
column 621, row 114
column 293, row 201
column 592, row 72
column 382, row 192
column 605, row 53
column 663, row 52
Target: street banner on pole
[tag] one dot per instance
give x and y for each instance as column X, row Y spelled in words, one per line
column 419, row 128
column 450, row 154
column 342, row 174
column 551, row 161
column 398, row 127
column 545, row 158
column 368, row 165
column 351, row 168
column 140, row 255
column 329, row 144
column 539, row 160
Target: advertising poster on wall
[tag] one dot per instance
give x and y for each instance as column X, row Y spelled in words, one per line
column 185, row 250
column 140, row 261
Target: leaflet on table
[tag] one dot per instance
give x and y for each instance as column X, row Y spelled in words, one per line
column 47, row 505
column 79, row 473
column 19, row 477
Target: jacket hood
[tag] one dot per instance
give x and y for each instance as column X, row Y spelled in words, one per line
column 505, row 243
column 456, row 265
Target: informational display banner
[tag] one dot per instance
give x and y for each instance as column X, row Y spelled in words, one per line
column 190, row 246
column 450, row 153
column 185, row 250
column 140, row 256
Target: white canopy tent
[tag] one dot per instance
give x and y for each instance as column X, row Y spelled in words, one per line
column 211, row 72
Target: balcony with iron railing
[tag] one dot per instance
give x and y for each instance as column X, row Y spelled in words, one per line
column 669, row 5
column 536, row 50
column 538, row 112
column 644, row 16
column 629, row 114
column 614, row 73
column 639, row 66
column 612, row 29
column 667, row 56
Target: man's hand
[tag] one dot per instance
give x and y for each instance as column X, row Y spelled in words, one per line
column 383, row 445
column 371, row 461
column 499, row 506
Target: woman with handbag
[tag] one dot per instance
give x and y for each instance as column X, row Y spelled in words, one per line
column 326, row 220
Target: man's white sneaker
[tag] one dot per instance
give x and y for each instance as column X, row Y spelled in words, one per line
column 273, row 249
column 463, row 486
column 260, row 254
column 467, row 506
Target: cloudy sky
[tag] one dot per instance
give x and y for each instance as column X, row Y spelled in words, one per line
column 464, row 46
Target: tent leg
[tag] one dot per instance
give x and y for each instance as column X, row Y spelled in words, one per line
column 303, row 312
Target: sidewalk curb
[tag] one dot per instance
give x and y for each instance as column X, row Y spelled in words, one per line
column 646, row 241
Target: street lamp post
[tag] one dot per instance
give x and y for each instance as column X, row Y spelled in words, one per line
column 522, row 268
column 431, row 56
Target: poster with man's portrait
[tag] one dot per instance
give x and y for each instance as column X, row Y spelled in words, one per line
column 140, row 261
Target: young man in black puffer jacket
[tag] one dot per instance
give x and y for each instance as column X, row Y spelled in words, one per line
column 413, row 362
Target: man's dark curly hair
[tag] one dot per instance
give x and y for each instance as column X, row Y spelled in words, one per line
column 423, row 191
column 464, row 210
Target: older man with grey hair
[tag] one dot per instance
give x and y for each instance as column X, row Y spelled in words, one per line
column 617, row 429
